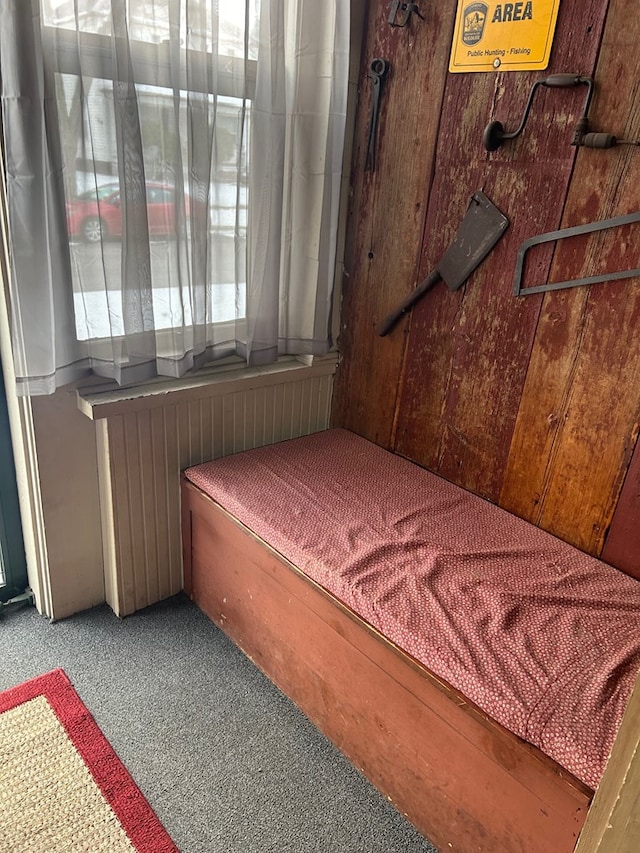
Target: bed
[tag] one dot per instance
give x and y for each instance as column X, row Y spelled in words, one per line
column 475, row 668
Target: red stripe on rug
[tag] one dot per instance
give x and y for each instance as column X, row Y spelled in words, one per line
column 118, row 788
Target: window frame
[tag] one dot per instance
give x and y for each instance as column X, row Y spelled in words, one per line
column 234, row 77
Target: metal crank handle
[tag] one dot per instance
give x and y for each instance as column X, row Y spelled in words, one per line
column 391, row 319
column 495, row 134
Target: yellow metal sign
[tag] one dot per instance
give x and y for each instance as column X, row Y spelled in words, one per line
column 503, row 36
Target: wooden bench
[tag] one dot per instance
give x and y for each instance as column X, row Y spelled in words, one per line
column 316, row 557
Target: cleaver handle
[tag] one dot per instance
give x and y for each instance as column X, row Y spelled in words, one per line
column 391, row 319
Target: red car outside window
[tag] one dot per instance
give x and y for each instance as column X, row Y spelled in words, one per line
column 97, row 214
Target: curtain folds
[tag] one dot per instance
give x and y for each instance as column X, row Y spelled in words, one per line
column 173, row 175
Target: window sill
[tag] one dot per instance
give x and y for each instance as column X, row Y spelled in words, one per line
column 106, row 400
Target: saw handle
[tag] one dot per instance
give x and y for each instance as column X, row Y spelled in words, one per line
column 562, row 81
column 391, row 319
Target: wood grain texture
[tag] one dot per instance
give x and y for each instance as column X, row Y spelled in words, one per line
column 613, row 821
column 622, row 544
column 578, row 417
column 531, row 402
column 386, row 215
column 468, row 351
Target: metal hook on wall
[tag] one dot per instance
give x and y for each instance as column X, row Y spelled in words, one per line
column 409, row 9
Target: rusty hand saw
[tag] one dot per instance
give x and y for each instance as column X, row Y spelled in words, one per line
column 574, row 231
column 479, row 231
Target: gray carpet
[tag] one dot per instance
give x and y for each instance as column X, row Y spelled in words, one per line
column 227, row 762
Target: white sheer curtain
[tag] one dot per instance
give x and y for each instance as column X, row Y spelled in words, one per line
column 173, row 177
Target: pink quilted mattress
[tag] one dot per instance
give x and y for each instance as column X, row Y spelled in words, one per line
column 542, row 637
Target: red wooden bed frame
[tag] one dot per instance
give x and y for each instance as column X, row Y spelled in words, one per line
column 462, row 779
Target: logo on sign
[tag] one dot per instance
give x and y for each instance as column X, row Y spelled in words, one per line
column 474, row 18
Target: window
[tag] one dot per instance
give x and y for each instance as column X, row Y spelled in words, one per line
column 182, row 97
column 142, row 243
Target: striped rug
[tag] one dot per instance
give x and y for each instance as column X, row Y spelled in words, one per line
column 62, row 787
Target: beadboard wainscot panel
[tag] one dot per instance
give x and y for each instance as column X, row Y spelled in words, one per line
column 145, row 441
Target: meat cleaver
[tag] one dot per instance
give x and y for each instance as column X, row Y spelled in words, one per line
column 479, row 231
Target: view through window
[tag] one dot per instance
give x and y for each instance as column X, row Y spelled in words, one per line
column 190, row 82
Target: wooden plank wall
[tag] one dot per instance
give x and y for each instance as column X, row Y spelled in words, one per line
column 532, row 402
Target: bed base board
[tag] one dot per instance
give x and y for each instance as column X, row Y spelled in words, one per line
column 463, row 781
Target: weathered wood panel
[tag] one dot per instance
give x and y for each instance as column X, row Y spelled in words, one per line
column 468, row 352
column 578, row 415
column 387, row 209
column 622, row 544
column 531, row 402
column 613, row 821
